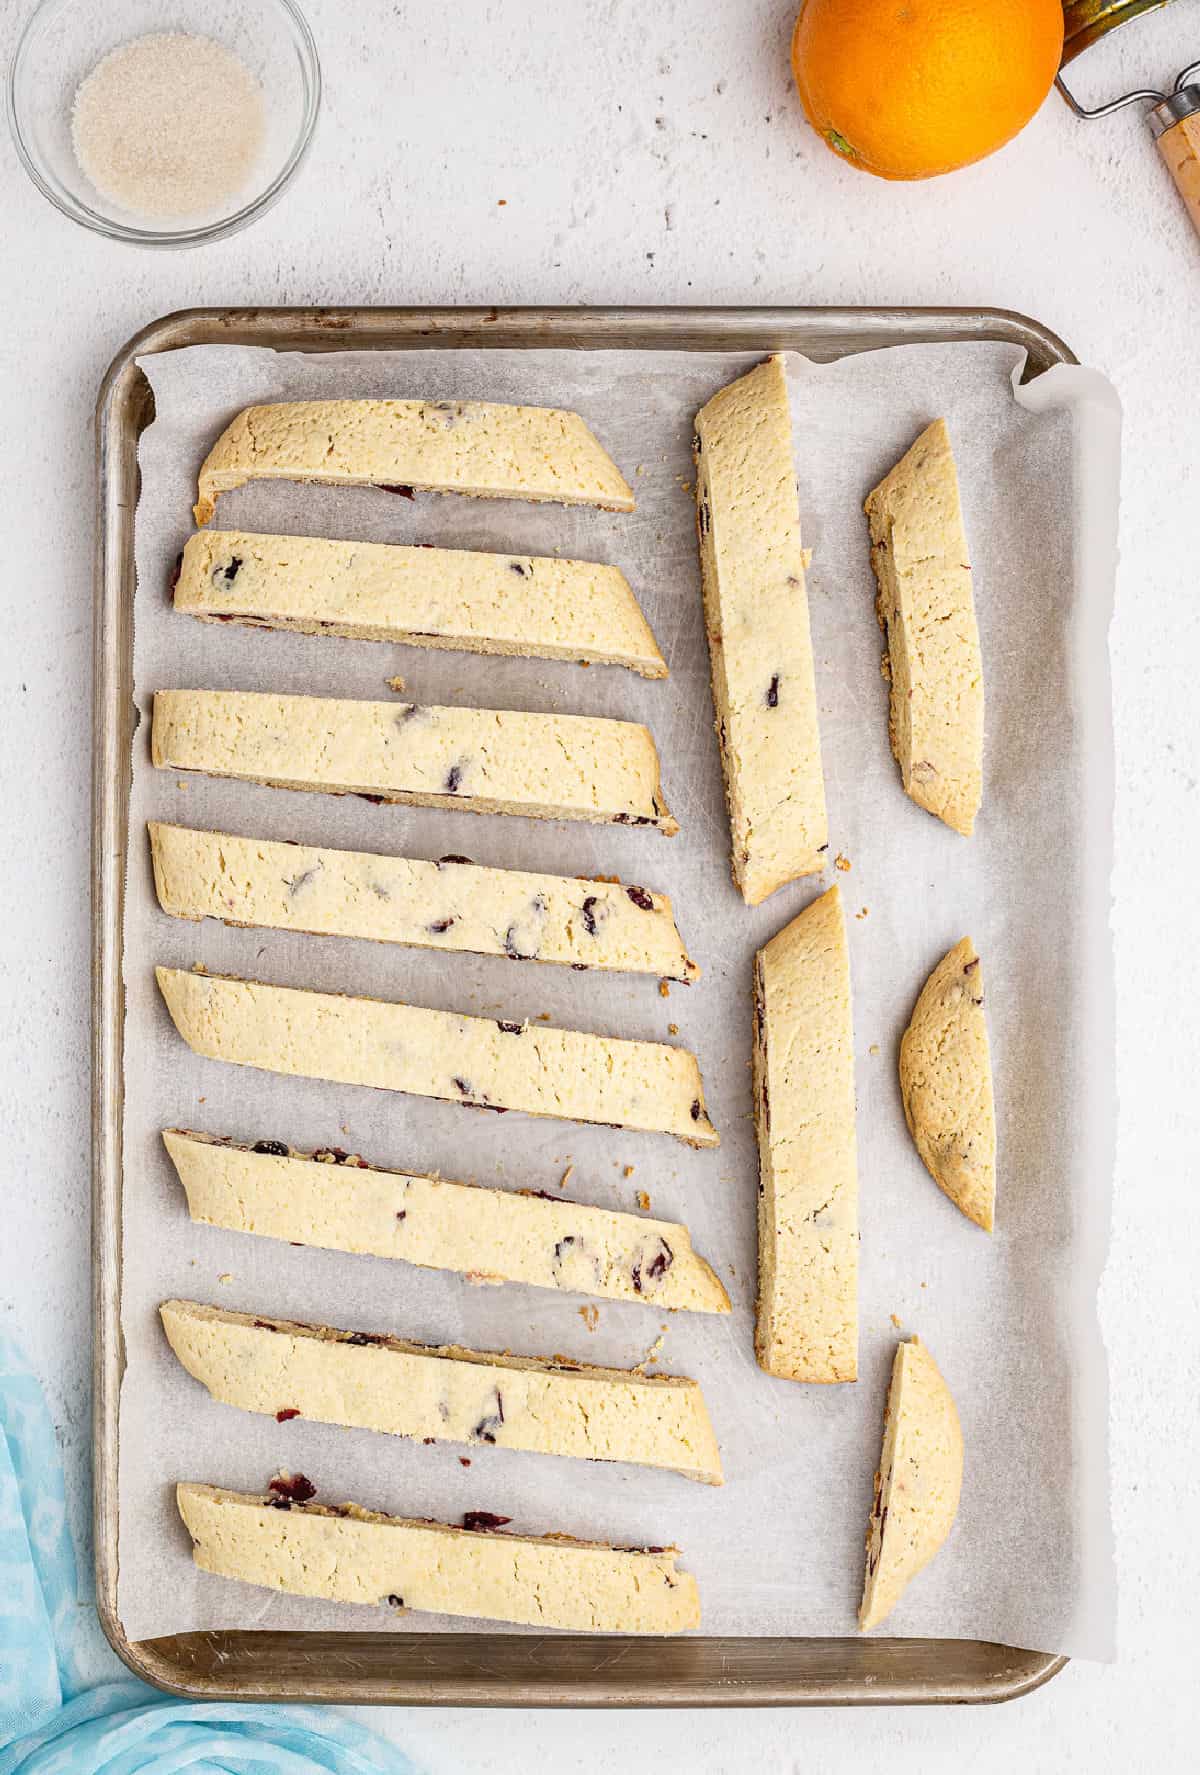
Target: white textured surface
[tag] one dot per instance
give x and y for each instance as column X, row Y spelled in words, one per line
column 432, row 116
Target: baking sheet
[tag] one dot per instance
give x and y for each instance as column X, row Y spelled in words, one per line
column 1011, row 1321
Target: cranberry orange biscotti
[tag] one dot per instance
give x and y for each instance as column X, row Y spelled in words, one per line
column 528, row 605
column 348, row 1554
column 807, row 1325
column 336, row 1201
column 445, row 1394
column 497, row 761
column 946, row 1084
column 926, row 608
column 451, row 905
column 476, row 1061
column 756, row 614
column 918, row 1483
column 473, row 447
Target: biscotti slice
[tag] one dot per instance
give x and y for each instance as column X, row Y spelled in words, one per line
column 474, row 447
column 446, row 1394
column 756, row 614
column 918, row 1483
column 946, row 1084
column 807, row 1325
column 486, row 761
column 450, row 905
column 648, row 1086
column 927, row 611
column 529, row 605
column 347, row 1554
column 333, row 1199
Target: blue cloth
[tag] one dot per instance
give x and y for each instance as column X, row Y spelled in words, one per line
column 49, row 1723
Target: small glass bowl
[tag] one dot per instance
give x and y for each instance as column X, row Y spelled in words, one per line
column 65, row 39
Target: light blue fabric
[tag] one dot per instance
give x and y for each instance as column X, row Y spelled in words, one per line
column 50, row 1724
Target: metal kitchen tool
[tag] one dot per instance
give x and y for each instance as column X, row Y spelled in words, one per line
column 489, row 1668
column 1174, row 117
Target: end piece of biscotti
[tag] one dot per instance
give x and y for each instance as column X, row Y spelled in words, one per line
column 480, row 1062
column 918, row 1483
column 347, row 1554
column 946, row 1084
column 528, row 605
column 926, row 608
column 807, row 1324
column 335, row 1200
column 367, row 1381
column 756, row 615
column 486, row 761
column 450, row 905
column 472, row 447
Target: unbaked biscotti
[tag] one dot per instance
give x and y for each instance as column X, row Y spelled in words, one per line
column 946, row 1084
column 760, row 649
column 474, row 447
column 652, row 1087
column 926, row 608
column 348, row 1554
column 366, row 1381
column 335, row 1200
column 918, row 1483
column 486, row 761
column 807, row 1322
column 452, row 905
column 528, row 605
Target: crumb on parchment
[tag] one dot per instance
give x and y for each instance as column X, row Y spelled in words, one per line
column 672, row 1029
column 566, row 1177
column 664, row 989
column 643, row 1200
column 590, row 1316
column 842, row 863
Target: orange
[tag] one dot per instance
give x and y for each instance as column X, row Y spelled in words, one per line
column 910, row 88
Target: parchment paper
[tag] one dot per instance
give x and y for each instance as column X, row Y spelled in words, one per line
column 1011, row 1320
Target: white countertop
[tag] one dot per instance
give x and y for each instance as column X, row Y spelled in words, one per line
column 656, row 154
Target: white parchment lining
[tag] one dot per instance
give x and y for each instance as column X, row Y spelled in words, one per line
column 1011, row 1321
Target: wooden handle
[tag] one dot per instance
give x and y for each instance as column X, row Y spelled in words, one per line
column 1180, row 148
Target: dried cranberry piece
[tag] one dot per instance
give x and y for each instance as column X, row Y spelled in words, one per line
column 452, row 859
column 454, row 779
column 483, row 1519
column 375, row 800
column 287, row 1414
column 588, row 916
column 361, row 1338
column 485, row 1429
column 696, row 1111
column 510, row 1028
column 773, row 692
column 516, row 567
column 229, row 573
column 294, row 1487
column 440, row 926
column 404, row 492
column 274, row 1149
column 641, row 898
column 394, row 1601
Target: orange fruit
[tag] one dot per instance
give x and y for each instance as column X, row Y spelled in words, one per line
column 910, row 88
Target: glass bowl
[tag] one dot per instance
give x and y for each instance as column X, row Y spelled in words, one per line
column 65, row 39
